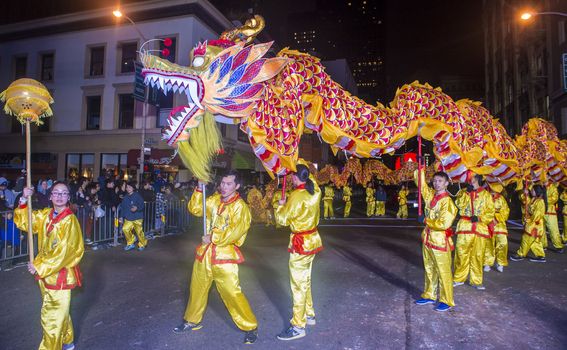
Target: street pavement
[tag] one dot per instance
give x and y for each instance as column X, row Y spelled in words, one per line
column 364, row 285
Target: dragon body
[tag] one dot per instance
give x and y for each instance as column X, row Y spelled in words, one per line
column 275, row 100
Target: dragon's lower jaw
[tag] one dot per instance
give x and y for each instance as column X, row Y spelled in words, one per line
column 179, row 123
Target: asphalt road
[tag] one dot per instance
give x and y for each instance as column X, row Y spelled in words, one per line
column 364, row 286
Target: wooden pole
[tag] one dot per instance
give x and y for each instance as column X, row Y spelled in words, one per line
column 204, row 188
column 29, row 184
column 419, row 170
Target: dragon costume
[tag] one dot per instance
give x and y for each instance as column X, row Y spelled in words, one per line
column 275, row 100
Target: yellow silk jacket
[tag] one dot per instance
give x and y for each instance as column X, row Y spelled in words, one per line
column 227, row 223
column 552, row 199
column 477, row 203
column 564, row 199
column 534, row 220
column 329, row 193
column 403, row 197
column 347, row 192
column 501, row 214
column 440, row 212
column 369, row 194
column 301, row 214
column 60, row 246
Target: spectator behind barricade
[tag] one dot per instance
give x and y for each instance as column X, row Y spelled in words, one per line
column 9, row 233
column 109, row 197
column 159, row 183
column 161, row 207
column 132, row 216
column 41, row 197
column 120, row 189
column 20, row 182
column 81, row 194
column 147, row 192
column 6, row 195
column 92, row 202
column 177, row 191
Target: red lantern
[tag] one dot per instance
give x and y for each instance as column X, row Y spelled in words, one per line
column 165, row 52
column 167, row 42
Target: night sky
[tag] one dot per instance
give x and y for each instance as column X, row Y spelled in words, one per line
column 418, row 39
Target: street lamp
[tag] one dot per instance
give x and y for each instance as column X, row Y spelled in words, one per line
column 528, row 14
column 118, row 14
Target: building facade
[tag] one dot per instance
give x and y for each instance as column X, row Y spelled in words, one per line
column 525, row 63
column 86, row 60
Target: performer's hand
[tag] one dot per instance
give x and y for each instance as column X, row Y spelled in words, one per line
column 282, row 201
column 134, row 209
column 31, row 268
column 474, row 218
column 121, row 220
column 28, row 192
column 206, row 239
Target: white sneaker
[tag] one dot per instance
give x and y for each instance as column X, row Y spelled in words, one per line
column 499, row 268
column 311, row 321
column 456, row 284
column 486, row 268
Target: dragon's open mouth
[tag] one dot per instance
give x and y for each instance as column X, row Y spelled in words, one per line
column 177, row 82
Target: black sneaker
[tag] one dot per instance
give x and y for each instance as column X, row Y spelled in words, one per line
column 516, row 257
column 292, row 333
column 251, row 336
column 186, row 326
column 539, row 259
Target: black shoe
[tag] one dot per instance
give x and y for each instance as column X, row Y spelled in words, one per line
column 539, row 259
column 186, row 326
column 516, row 257
column 251, row 336
column 292, row 333
column 558, row 251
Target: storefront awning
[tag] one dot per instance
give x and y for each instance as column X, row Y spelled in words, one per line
column 157, row 157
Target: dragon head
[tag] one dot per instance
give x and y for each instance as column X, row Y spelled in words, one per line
column 223, row 82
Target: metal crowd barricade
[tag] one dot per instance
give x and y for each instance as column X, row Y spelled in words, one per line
column 13, row 242
column 174, row 219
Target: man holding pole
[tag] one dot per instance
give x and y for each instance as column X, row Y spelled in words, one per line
column 217, row 257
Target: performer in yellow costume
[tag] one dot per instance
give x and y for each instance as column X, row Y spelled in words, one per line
column 497, row 246
column 56, row 266
column 132, row 215
column 476, row 209
column 301, row 212
column 403, row 203
column 218, row 256
column 564, row 199
column 347, row 193
column 275, row 202
column 440, row 211
column 551, row 218
column 525, row 201
column 370, row 202
column 534, row 228
column 328, row 212
column 381, row 198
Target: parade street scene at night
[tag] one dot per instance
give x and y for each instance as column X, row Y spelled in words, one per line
column 218, row 174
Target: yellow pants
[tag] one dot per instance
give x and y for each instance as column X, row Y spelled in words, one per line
column 380, row 208
column 300, row 281
column 553, row 227
column 347, row 208
column 136, row 226
column 564, row 228
column 370, row 208
column 530, row 243
column 55, row 320
column 328, row 211
column 496, row 250
column 438, row 275
column 469, row 258
column 543, row 239
column 403, row 211
column 227, row 282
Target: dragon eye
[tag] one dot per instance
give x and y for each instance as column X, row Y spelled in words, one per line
column 198, row 61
